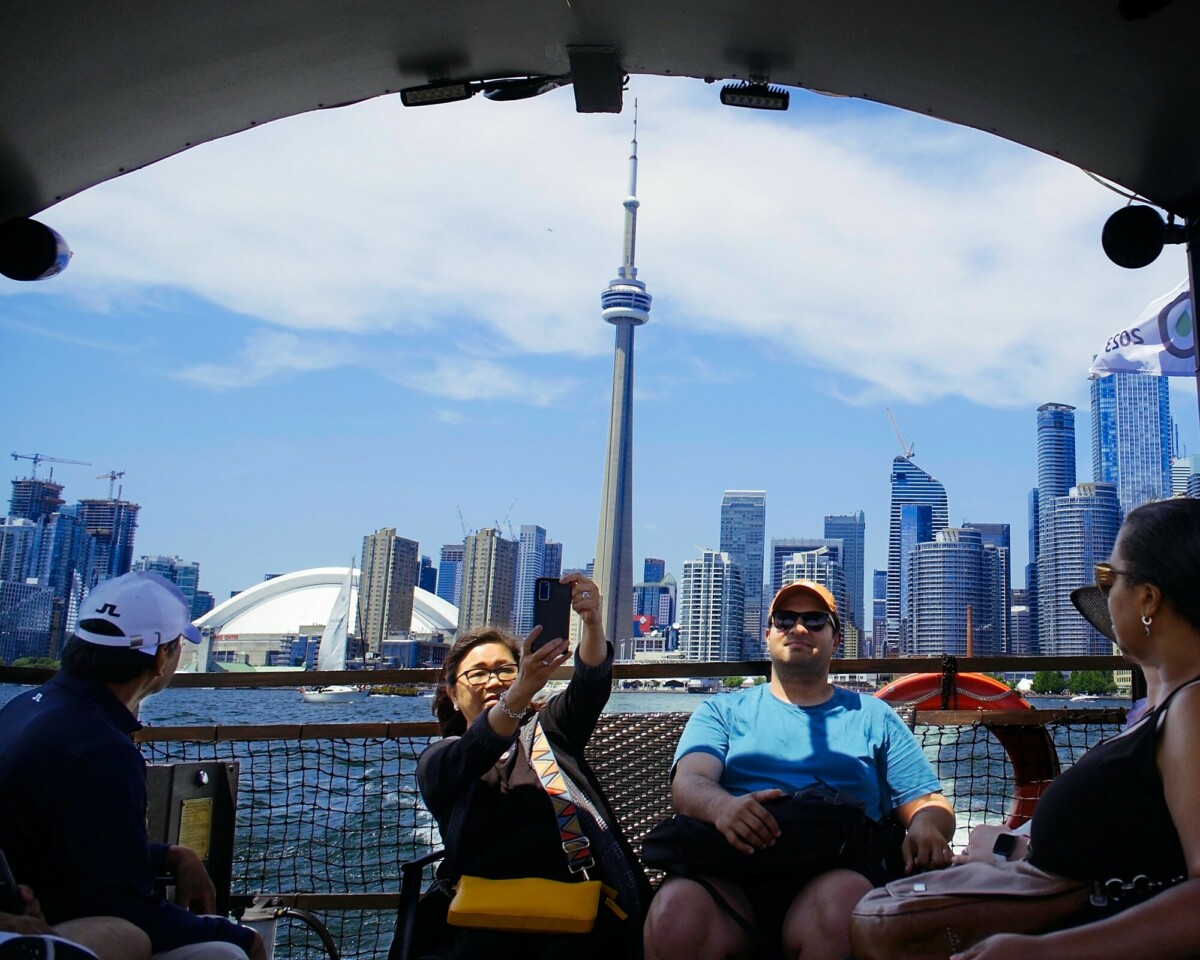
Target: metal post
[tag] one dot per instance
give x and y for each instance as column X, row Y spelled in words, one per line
column 1193, row 243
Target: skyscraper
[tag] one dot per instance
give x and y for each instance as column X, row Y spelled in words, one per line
column 851, row 529
column 552, row 564
column 916, row 526
column 999, row 536
column 878, row 613
column 34, row 498
column 1083, row 528
column 489, row 571
column 653, row 570
column 385, row 587
column 1131, row 436
column 910, row 484
column 531, row 558
column 782, row 549
column 112, row 524
column 820, row 566
column 743, row 532
column 185, row 574
column 954, row 581
column 449, row 581
column 626, row 304
column 427, row 575
column 710, row 608
column 1056, row 477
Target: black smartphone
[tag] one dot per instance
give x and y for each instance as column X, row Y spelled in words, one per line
column 11, row 900
column 551, row 610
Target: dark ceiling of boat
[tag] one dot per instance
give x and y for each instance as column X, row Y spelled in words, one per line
column 93, row 89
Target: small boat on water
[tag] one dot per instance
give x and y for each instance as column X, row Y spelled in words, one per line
column 332, row 653
column 1084, row 698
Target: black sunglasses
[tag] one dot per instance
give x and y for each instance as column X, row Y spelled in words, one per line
column 811, row 620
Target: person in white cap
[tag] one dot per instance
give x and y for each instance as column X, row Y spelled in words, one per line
column 73, row 784
column 741, row 751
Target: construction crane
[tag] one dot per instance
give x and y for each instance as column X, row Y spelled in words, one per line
column 39, row 457
column 905, row 448
column 112, row 477
column 461, row 522
column 507, row 514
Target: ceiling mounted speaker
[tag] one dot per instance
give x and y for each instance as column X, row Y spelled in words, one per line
column 31, row 251
column 1133, row 237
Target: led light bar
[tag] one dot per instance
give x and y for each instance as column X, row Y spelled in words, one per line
column 446, row 92
column 758, row 96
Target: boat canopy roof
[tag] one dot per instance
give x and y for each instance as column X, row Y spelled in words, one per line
column 96, row 88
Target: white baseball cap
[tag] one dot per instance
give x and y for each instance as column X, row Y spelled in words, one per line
column 147, row 610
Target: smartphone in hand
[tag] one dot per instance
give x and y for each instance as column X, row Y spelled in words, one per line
column 11, row 900
column 551, row 610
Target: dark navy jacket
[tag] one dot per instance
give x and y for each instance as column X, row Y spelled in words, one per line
column 73, row 814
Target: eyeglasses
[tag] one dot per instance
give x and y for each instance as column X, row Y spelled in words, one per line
column 812, row 620
column 479, row 676
column 1106, row 577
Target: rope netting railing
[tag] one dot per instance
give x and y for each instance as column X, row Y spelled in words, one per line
column 326, row 815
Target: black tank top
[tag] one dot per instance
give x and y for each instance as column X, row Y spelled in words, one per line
column 1106, row 816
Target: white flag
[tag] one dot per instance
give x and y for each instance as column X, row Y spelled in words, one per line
column 1161, row 341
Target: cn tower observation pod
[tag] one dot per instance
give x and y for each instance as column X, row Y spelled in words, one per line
column 100, row 88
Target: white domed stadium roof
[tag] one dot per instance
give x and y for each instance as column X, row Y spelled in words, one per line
column 281, row 605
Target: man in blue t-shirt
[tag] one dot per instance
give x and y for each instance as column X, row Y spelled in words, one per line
column 796, row 731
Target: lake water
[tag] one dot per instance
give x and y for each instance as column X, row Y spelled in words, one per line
column 284, row 705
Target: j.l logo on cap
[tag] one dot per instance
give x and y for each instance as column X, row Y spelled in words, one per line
column 109, row 609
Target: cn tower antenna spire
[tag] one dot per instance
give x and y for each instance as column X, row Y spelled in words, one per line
column 626, row 305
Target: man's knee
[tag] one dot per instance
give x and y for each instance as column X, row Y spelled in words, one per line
column 214, row 950
column 819, row 917
column 684, row 921
column 110, row 938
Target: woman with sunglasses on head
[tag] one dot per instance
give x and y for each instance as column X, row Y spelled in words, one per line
column 488, row 800
column 1127, row 809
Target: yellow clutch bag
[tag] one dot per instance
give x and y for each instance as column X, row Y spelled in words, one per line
column 530, row 904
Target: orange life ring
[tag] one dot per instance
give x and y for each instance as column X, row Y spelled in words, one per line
column 1029, row 747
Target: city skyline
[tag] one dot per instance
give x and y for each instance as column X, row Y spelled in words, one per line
column 258, row 375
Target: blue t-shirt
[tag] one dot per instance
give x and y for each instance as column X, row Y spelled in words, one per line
column 850, row 742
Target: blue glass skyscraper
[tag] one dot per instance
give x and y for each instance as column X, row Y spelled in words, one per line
column 531, row 558
column 743, row 537
column 999, row 537
column 851, row 530
column 1131, row 436
column 953, row 582
column 910, row 484
column 916, row 526
column 1056, row 477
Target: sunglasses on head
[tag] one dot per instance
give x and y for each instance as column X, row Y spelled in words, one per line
column 812, row 620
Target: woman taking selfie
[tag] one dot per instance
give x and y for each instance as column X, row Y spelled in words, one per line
column 496, row 817
column 1127, row 808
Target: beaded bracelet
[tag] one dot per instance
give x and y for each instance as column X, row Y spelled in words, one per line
column 503, row 705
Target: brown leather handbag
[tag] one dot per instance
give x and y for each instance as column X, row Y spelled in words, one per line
column 932, row 915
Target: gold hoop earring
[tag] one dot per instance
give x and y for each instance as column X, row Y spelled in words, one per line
column 1146, row 621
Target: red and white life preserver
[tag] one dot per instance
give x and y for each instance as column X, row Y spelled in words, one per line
column 1029, row 747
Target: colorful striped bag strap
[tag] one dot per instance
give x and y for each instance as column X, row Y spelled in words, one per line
column 575, row 843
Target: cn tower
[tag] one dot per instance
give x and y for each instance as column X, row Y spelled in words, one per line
column 626, row 305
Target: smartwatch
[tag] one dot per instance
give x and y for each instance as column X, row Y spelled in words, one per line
column 1004, row 846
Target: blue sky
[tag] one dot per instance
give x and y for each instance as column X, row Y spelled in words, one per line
column 375, row 316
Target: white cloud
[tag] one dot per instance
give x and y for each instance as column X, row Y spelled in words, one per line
column 914, row 258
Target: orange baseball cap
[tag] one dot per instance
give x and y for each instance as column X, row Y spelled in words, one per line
column 815, row 590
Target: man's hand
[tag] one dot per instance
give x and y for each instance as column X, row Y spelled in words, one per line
column 193, row 888
column 29, row 923
column 930, row 821
column 745, row 822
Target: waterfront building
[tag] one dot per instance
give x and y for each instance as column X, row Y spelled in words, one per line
column 851, row 529
column 711, row 602
column 782, row 549
column 916, row 526
column 1193, row 485
column 656, row 600
column 1056, row 478
column 999, row 535
column 1020, row 619
column 202, row 603
column 820, row 566
column 18, row 547
column 626, row 305
column 185, row 574
column 743, row 532
column 1131, row 436
column 531, row 559
column 1182, row 470
column 653, row 570
column 427, row 575
column 112, row 524
column 387, row 578
column 1031, row 577
column 878, row 613
column 489, row 571
column 552, row 563
column 954, row 580
column 449, row 581
column 25, row 611
column 33, row 498
column 62, row 565
column 909, row 484
column 1081, row 532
